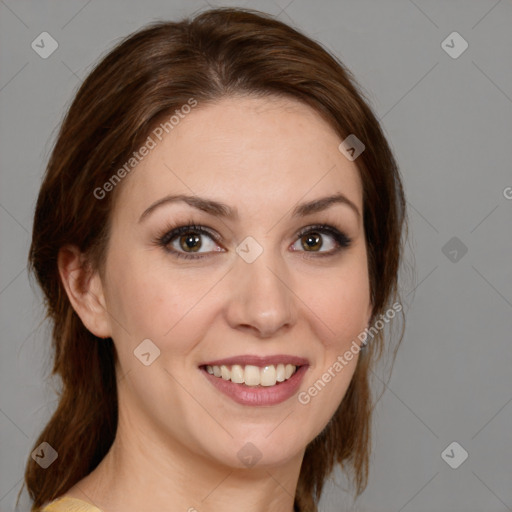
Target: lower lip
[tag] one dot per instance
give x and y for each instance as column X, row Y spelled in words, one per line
column 259, row 395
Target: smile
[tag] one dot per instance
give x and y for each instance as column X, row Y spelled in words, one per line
column 251, row 375
column 256, row 380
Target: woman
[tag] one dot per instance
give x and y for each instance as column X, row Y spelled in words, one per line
column 218, row 237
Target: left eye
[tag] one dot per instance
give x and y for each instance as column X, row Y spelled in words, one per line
column 315, row 240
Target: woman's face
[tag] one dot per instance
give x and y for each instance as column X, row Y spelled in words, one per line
column 255, row 286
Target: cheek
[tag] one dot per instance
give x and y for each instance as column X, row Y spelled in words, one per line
column 148, row 301
column 341, row 304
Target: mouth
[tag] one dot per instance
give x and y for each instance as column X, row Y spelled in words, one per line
column 253, row 380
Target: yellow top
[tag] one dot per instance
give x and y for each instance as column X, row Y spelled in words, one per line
column 69, row 505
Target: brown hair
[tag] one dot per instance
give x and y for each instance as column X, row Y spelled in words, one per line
column 151, row 73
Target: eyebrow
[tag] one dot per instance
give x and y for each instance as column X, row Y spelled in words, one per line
column 223, row 210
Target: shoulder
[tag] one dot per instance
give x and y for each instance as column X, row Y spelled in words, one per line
column 67, row 504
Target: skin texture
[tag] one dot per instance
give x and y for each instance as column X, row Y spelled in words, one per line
column 178, row 437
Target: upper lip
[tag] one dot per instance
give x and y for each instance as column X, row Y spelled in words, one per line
column 260, row 361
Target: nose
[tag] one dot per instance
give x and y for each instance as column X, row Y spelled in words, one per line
column 262, row 301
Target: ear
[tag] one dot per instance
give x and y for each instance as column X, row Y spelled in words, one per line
column 84, row 290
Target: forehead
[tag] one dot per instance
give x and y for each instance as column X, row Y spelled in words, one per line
column 244, row 150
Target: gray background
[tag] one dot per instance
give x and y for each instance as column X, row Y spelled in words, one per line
column 450, row 124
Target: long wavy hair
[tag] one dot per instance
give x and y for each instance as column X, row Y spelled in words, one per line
column 149, row 74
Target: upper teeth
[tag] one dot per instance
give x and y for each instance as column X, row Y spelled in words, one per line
column 253, row 375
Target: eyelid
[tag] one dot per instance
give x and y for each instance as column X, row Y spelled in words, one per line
column 322, row 228
column 172, row 232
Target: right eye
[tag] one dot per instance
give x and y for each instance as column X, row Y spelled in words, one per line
column 190, row 242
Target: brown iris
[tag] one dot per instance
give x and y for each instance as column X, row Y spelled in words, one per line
column 312, row 241
column 190, row 242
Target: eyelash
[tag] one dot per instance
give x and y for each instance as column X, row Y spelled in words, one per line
column 164, row 238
